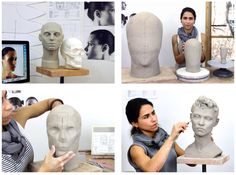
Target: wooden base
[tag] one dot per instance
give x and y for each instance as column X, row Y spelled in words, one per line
column 83, row 167
column 207, row 161
column 62, row 72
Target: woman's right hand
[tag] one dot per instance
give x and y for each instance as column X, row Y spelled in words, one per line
column 52, row 164
column 177, row 129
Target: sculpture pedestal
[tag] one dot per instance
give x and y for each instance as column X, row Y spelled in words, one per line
column 62, row 72
column 203, row 161
column 223, row 71
column 83, row 167
column 183, row 75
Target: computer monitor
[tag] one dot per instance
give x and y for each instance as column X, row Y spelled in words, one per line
column 15, row 61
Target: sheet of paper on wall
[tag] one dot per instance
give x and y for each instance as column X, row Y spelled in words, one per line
column 103, row 140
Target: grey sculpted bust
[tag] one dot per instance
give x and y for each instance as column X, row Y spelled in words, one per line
column 192, row 53
column 63, row 129
column 144, row 35
column 73, row 52
column 51, row 36
column 204, row 116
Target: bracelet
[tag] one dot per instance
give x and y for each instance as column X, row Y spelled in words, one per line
column 54, row 102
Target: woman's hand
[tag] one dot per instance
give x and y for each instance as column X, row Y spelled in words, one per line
column 52, row 164
column 177, row 129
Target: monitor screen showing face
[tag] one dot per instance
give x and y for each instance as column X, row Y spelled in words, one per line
column 15, row 61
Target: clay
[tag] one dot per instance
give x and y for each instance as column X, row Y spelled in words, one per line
column 144, row 35
column 51, row 36
column 204, row 118
column 192, row 53
column 63, row 129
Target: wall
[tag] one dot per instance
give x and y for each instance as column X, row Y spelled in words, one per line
column 169, row 13
column 173, row 104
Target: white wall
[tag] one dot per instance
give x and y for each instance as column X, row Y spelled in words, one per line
column 95, row 105
column 24, row 22
column 173, row 104
column 168, row 11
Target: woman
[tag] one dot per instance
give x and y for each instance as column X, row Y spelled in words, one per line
column 187, row 31
column 152, row 149
column 17, row 152
column 9, row 59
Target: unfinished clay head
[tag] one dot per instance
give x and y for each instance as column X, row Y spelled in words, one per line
column 223, row 54
column 51, row 36
column 63, row 129
column 204, row 117
column 144, row 35
column 192, row 53
column 73, row 52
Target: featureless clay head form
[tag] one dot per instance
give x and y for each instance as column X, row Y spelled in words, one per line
column 63, row 129
column 192, row 53
column 144, row 35
column 51, row 36
column 73, row 52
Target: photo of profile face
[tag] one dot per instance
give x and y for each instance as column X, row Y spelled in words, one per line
column 9, row 58
column 203, row 120
column 101, row 13
column 100, row 45
column 63, row 129
column 51, row 36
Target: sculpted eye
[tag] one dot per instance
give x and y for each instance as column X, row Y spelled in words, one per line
column 54, row 130
column 46, row 34
column 57, row 34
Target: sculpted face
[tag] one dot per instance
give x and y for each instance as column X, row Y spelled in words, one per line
column 203, row 120
column 51, row 36
column 63, row 129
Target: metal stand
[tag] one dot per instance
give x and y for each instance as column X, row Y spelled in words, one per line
column 61, row 80
column 204, row 168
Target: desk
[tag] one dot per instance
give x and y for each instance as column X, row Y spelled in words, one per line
column 168, row 75
column 62, row 72
column 203, row 161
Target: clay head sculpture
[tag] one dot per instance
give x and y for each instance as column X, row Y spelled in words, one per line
column 73, row 52
column 144, row 36
column 204, row 117
column 51, row 36
column 63, row 129
column 192, row 53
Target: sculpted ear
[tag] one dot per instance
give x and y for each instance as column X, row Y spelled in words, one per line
column 40, row 37
column 217, row 121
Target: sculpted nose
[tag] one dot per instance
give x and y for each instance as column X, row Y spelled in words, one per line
column 201, row 121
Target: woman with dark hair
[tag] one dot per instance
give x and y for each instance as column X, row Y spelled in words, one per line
column 186, row 32
column 152, row 149
column 100, row 45
column 9, row 58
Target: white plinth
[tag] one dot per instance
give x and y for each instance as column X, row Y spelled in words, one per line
column 218, row 64
column 183, row 75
